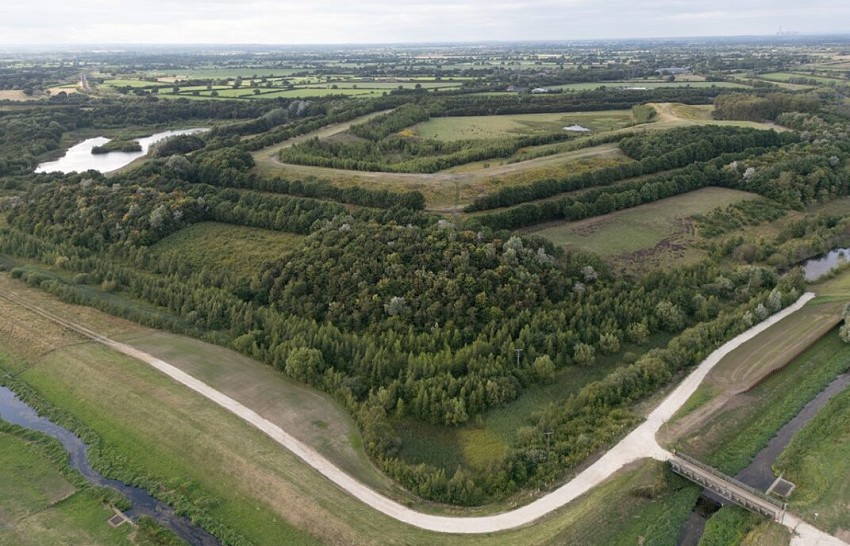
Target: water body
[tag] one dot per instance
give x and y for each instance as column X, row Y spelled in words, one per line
column 79, row 158
column 814, row 269
column 15, row 411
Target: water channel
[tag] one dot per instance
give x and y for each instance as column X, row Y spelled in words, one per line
column 759, row 473
column 16, row 412
column 79, row 158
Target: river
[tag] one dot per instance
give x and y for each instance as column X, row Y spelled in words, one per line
column 17, row 412
column 79, row 158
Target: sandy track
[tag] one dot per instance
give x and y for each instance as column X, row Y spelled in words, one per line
column 639, row 444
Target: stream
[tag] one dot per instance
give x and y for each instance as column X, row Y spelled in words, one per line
column 17, row 412
column 759, row 473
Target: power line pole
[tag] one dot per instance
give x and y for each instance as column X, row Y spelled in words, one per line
column 518, row 352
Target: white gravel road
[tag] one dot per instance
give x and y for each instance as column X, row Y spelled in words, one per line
column 639, row 444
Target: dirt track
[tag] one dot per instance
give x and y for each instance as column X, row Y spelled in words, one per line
column 639, row 444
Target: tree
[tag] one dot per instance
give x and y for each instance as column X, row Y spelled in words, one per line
column 544, row 369
column 584, row 354
column 609, row 343
column 305, row 364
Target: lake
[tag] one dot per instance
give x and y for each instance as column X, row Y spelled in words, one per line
column 79, row 158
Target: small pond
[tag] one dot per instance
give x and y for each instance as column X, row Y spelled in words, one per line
column 79, row 158
column 814, row 269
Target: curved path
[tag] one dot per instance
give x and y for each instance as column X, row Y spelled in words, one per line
column 639, row 444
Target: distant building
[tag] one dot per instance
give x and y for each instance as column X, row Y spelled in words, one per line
column 538, row 90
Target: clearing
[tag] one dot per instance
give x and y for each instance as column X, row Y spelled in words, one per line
column 237, row 249
column 651, row 234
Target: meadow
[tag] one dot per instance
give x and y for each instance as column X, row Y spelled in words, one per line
column 661, row 226
column 483, row 127
column 237, row 249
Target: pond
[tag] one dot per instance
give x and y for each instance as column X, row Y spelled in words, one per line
column 79, row 158
column 814, row 269
column 17, row 412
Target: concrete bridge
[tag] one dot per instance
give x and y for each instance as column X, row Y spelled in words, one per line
column 727, row 487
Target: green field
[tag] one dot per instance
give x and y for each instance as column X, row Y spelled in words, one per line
column 642, row 84
column 816, row 462
column 787, row 76
column 236, row 249
column 641, row 228
column 39, row 507
column 309, row 415
column 469, row 127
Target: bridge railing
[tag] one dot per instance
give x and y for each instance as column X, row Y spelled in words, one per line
column 729, row 479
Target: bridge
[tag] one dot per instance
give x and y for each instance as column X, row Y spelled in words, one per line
column 727, row 487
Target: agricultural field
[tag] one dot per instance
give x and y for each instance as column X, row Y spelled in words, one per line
column 649, row 235
column 483, row 127
column 640, row 84
column 238, row 249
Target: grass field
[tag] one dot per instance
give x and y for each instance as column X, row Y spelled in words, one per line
column 237, row 249
column 450, row 190
column 787, row 76
column 311, row 416
column 484, row 127
column 656, row 228
column 39, row 507
column 816, row 462
column 642, row 84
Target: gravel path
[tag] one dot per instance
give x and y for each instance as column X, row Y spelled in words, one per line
column 639, row 444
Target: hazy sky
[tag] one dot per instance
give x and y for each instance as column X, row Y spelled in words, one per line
column 382, row 21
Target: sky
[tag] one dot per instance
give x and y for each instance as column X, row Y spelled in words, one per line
column 404, row 21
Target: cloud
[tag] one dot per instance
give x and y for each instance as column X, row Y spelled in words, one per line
column 384, row 21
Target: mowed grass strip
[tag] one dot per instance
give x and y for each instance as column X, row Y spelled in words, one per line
column 237, row 249
column 817, row 462
column 310, row 415
column 639, row 228
column 484, row 127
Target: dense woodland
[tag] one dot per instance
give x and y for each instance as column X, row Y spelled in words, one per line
column 404, row 315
